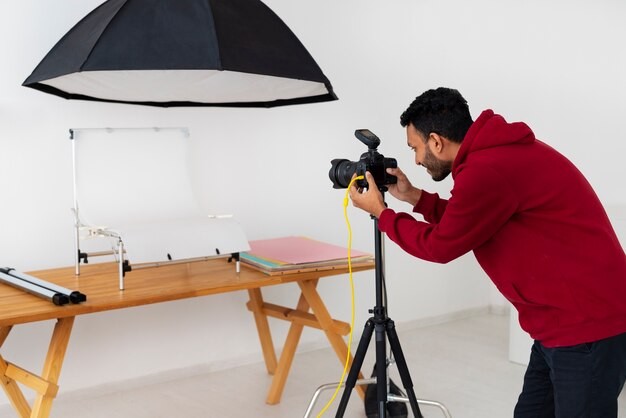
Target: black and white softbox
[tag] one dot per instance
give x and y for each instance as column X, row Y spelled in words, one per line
column 235, row 53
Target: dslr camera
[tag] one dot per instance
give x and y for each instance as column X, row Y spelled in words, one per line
column 342, row 170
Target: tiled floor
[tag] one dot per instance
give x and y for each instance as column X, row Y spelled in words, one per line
column 462, row 364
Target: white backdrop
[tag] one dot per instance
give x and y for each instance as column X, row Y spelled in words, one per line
column 559, row 66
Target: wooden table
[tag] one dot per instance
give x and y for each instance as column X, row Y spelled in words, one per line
column 161, row 284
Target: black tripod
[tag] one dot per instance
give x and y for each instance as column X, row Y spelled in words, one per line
column 381, row 325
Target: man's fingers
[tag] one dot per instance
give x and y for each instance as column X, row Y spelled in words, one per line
column 352, row 191
column 395, row 171
column 369, row 177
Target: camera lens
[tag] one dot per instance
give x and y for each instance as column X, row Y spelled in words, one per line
column 341, row 172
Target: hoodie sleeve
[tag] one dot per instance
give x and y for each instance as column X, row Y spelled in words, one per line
column 431, row 206
column 481, row 203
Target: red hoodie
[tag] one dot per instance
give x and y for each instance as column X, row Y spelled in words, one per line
column 536, row 227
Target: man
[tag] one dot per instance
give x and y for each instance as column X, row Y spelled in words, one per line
column 537, row 229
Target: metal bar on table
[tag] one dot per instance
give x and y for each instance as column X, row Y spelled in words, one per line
column 73, row 295
column 54, row 297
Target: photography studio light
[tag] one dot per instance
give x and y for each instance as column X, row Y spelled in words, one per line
column 232, row 53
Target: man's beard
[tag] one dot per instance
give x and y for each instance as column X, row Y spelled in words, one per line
column 439, row 169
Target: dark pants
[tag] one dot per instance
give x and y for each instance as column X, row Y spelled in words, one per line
column 581, row 381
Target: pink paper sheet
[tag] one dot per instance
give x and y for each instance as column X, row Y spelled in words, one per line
column 299, row 250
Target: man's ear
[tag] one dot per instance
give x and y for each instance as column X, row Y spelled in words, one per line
column 443, row 147
column 436, row 143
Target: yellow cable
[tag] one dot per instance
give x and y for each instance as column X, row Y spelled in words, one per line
column 345, row 368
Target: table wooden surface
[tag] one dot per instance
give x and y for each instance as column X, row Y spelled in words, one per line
column 154, row 285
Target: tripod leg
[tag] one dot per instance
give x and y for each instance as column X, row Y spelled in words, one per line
column 394, row 343
column 357, row 362
column 381, row 370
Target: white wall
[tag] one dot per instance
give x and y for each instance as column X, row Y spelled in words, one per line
column 558, row 66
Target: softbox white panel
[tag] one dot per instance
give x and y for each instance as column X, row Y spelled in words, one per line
column 199, row 86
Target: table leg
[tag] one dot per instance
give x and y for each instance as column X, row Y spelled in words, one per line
column 263, row 328
column 309, row 291
column 45, row 386
column 52, row 365
column 4, row 333
column 299, row 318
column 14, row 393
column 286, row 356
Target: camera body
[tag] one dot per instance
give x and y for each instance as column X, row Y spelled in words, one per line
column 342, row 170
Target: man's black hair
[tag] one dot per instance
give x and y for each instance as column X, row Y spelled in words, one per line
column 442, row 111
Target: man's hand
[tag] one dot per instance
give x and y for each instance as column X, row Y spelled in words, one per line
column 370, row 200
column 403, row 190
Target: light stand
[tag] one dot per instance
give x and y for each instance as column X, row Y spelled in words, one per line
column 384, row 328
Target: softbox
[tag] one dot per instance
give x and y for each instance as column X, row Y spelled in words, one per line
column 235, row 53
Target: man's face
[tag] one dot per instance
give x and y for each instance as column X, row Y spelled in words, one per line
column 424, row 156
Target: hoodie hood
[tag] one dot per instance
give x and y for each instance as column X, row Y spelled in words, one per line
column 489, row 131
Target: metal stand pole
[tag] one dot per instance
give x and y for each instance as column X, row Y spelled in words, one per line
column 75, row 209
column 120, row 251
